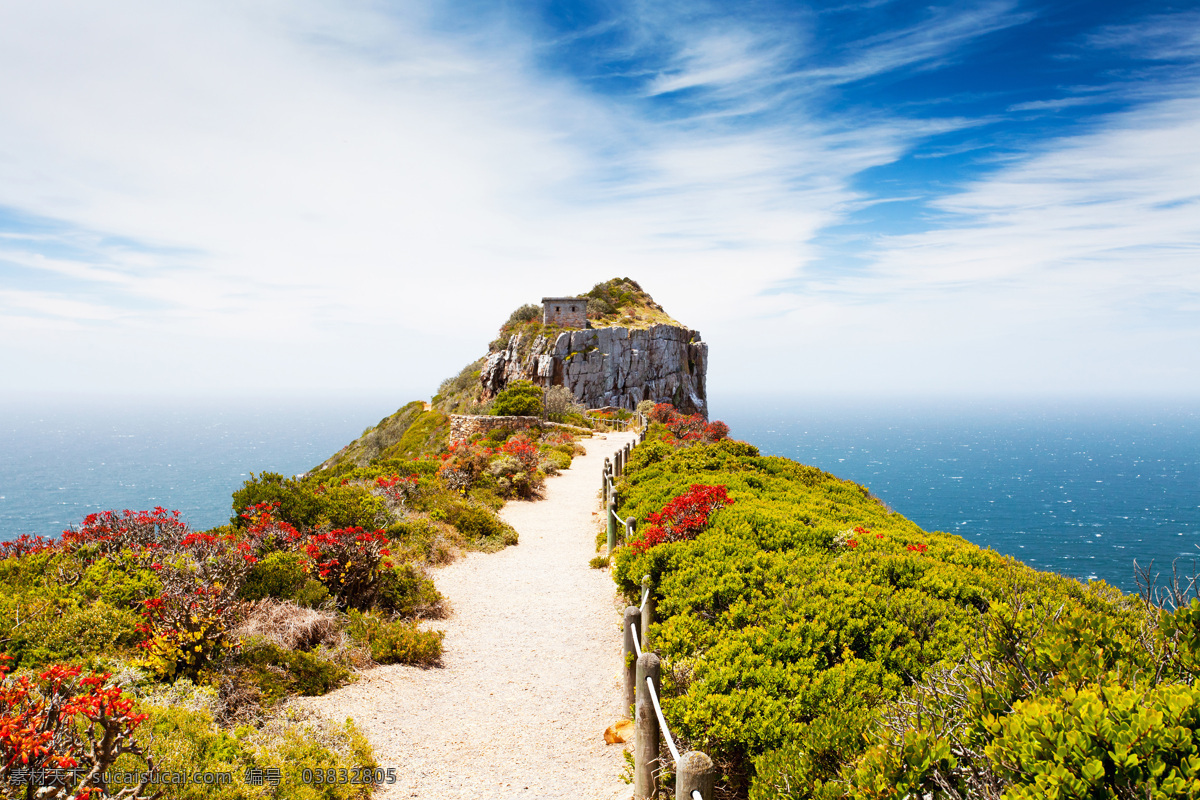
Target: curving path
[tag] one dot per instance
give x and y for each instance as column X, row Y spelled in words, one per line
column 532, row 661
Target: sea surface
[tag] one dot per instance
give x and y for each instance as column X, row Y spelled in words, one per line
column 1079, row 488
column 60, row 461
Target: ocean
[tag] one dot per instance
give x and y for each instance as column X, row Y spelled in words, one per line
column 1082, row 489
column 60, row 461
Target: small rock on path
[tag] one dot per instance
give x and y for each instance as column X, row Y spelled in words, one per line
column 532, row 665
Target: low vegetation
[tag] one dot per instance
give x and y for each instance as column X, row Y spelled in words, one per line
column 519, row 399
column 620, row 302
column 818, row 645
column 137, row 645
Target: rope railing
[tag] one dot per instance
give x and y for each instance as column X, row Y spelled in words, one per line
column 614, row 467
column 694, row 773
column 662, row 723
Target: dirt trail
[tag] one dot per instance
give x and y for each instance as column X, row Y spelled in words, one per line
column 532, row 660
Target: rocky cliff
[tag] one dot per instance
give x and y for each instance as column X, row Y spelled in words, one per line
column 608, row 366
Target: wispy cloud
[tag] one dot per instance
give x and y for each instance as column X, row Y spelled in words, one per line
column 1058, row 104
column 926, row 44
column 252, row 189
column 1159, row 37
column 1089, row 246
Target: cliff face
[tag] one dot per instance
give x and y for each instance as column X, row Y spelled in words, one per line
column 610, row 366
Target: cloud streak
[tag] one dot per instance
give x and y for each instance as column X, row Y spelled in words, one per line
column 237, row 193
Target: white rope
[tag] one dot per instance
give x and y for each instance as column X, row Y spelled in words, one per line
column 645, row 597
column 696, row 795
column 666, row 732
column 637, row 647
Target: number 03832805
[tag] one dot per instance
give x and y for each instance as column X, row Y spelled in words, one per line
column 371, row 775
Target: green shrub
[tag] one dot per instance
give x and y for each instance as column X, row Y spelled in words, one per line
column 526, row 313
column 803, row 609
column 297, row 504
column 555, row 458
column 302, row 505
column 406, row 591
column 497, row 436
column 519, row 399
column 294, row 745
column 120, row 580
column 477, row 522
column 187, row 741
column 396, row 642
column 71, row 634
column 598, row 307
column 280, row 574
column 1102, row 740
column 312, row 594
column 278, row 672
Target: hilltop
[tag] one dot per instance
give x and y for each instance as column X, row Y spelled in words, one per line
column 628, row 351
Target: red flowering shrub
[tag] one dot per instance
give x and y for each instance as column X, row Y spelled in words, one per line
column 109, row 531
column 523, row 450
column 462, row 465
column 186, row 627
column 715, row 431
column 351, row 563
column 25, row 545
column 663, row 412
column 688, row 427
column 918, row 548
column 397, row 489
column 265, row 531
column 683, row 518
column 61, row 733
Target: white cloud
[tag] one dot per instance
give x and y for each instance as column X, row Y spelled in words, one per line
column 288, row 175
column 292, row 195
column 1070, row 270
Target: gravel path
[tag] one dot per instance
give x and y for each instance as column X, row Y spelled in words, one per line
column 532, row 661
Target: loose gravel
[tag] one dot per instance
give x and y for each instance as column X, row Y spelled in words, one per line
column 531, row 671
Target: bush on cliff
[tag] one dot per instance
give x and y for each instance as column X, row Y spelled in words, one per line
column 519, row 399
column 805, row 614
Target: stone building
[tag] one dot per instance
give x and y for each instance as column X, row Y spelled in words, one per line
column 565, row 312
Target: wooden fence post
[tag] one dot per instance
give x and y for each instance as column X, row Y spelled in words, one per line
column 610, row 514
column 694, row 772
column 630, row 529
column 604, row 476
column 648, row 609
column 632, row 617
column 645, row 743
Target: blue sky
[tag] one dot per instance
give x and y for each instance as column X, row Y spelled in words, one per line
column 979, row 199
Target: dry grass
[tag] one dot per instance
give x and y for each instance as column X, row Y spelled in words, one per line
column 292, row 626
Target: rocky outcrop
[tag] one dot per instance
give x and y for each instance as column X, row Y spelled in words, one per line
column 609, row 366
